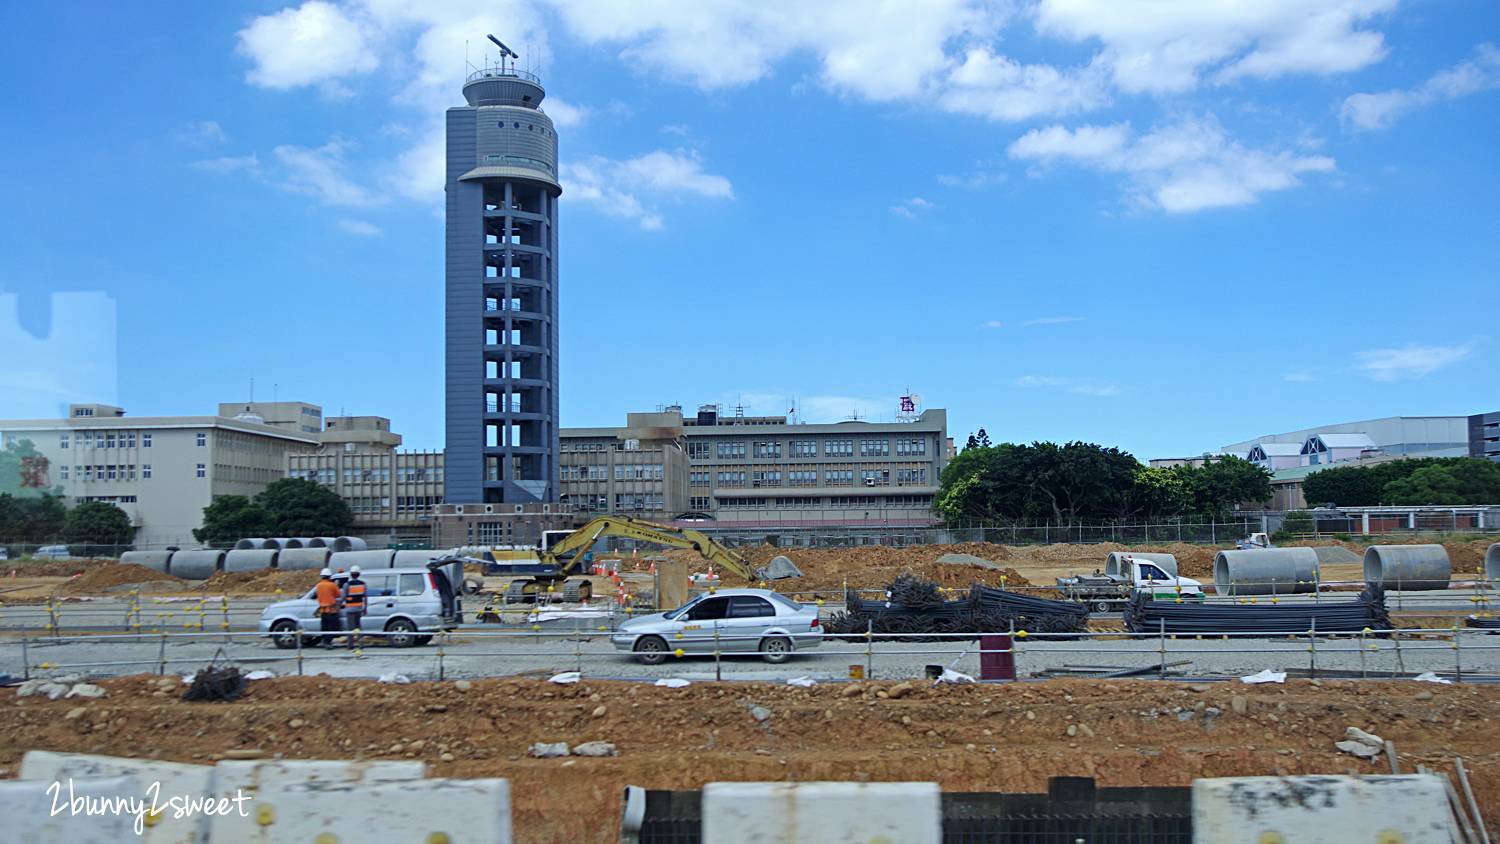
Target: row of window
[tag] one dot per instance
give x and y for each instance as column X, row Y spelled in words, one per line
column 372, row 475
column 801, row 477
column 121, row 499
column 638, row 501
column 245, row 474
column 108, row 439
column 417, row 503
column 103, row 473
column 848, row 501
column 878, row 500
column 368, row 505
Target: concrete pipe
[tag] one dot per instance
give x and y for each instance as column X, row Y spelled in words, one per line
column 1113, row 566
column 1492, row 562
column 415, row 559
column 321, row 542
column 302, row 559
column 1403, row 567
column 196, row 565
column 246, row 544
column 1266, row 571
column 297, row 542
column 154, row 560
column 250, row 559
column 274, row 544
column 349, row 543
column 366, row 560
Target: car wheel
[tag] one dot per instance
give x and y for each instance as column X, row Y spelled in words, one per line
column 284, row 634
column 775, row 650
column 402, row 633
column 651, row 650
column 1102, row 606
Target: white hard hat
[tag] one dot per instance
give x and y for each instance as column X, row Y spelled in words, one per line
column 354, row 569
column 326, row 573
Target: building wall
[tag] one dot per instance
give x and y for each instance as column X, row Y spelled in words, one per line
column 1484, row 436
column 391, row 494
column 1425, row 436
column 162, row 471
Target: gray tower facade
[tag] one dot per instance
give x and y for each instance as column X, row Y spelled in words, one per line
column 501, row 287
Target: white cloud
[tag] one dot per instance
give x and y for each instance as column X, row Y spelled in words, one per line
column 1409, row 361
column 675, row 130
column 994, row 323
column 612, row 185
column 230, row 164
column 910, row 208
column 1053, row 320
column 565, row 115
column 978, row 178
column 360, row 227
column 311, row 44
column 320, row 173
column 202, row 133
column 1187, row 166
column 1377, row 111
column 1301, row 377
column 1082, row 386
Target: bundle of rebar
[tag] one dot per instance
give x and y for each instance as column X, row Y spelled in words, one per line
column 1482, row 623
column 1143, row 615
column 982, row 610
column 221, row 683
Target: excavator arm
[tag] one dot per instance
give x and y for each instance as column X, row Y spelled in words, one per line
column 581, row 540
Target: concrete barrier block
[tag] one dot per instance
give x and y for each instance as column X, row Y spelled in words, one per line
column 27, row 806
column 157, row 780
column 822, row 813
column 260, row 777
column 472, row 811
column 1321, row 810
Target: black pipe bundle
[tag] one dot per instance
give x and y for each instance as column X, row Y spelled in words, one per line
column 1482, row 623
column 982, row 610
column 1368, row 611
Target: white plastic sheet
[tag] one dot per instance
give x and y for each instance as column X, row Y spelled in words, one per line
column 1266, row 676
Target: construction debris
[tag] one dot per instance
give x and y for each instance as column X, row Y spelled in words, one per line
column 917, row 611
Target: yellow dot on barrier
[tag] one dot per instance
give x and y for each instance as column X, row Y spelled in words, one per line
column 679, row 652
column 678, row 635
column 601, row 629
column 1021, row 634
column 536, row 627
column 439, row 838
column 820, row 602
column 151, row 818
column 223, row 624
column 265, row 814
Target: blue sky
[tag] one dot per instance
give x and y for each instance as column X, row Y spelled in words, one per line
column 1165, row 226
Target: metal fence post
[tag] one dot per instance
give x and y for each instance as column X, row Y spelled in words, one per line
column 1458, row 668
column 869, row 650
column 25, row 659
column 1162, row 647
column 298, row 631
column 1312, row 649
column 162, row 658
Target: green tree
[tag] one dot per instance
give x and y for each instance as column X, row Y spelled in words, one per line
column 1465, row 480
column 1157, row 495
column 1298, row 521
column 299, row 507
column 231, row 518
column 98, row 523
column 1214, row 488
column 31, row 519
column 1065, row 484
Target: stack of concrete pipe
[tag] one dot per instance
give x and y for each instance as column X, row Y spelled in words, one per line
column 1266, row 571
column 1114, row 564
column 250, row 559
column 286, row 553
column 154, row 560
column 1410, row 567
column 1492, row 563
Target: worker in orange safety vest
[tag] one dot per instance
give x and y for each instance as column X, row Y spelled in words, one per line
column 328, row 594
column 354, row 604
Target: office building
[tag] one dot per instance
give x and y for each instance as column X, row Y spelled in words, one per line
column 161, row 470
column 1394, row 436
column 501, row 289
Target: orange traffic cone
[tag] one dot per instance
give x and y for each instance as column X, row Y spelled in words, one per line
column 710, row 572
column 653, row 568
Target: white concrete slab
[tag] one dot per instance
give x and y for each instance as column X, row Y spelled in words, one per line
column 1412, row 809
column 42, row 812
column 459, row 811
column 822, row 813
column 158, row 780
column 260, row 777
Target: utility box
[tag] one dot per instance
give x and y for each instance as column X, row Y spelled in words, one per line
column 672, row 588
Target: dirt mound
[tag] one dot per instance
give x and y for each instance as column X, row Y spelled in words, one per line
column 1009, row 737
column 116, row 574
column 262, row 582
column 52, row 568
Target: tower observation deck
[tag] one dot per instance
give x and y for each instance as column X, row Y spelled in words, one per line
column 501, row 293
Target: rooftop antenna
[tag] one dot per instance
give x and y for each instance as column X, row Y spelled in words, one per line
column 504, row 52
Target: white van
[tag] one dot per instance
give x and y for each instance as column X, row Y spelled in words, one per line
column 408, row 604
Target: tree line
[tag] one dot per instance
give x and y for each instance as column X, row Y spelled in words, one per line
column 1445, row 481
column 1083, row 483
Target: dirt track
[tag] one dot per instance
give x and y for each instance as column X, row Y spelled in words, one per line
column 989, row 737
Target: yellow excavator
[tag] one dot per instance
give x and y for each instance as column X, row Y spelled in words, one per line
column 562, row 553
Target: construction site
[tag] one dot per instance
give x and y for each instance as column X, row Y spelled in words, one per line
column 545, row 704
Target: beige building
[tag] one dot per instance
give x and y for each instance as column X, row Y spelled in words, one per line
column 161, row 470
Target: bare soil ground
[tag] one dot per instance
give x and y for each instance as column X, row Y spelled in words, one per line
column 1010, row 737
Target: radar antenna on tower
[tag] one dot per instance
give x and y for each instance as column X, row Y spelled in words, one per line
column 505, row 52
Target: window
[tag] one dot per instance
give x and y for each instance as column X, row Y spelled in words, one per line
column 838, row 477
column 127, row 439
column 731, row 450
column 63, row 441
column 638, row 501
column 145, row 471
column 802, row 477
column 766, row 450
column 202, row 439
column 699, row 503
column 875, row 477
column 731, row 479
column 770, row 478
column 698, row 479
column 109, row 440
column 838, row 448
column 911, row 448
column 799, row 502
column 874, row 448
column 911, row 476
column 697, row 451
column 99, row 440
column 62, row 473
column 412, row 584
column 803, row 448
column 202, row 470
column 111, row 472
column 749, row 606
column 145, row 439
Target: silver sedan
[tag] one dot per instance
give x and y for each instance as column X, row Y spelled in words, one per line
column 730, row 621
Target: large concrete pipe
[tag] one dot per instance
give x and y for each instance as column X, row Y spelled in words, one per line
column 321, row 542
column 1403, row 567
column 154, row 560
column 296, row 542
column 364, row 559
column 1113, row 565
column 196, row 565
column 250, row 559
column 245, row 544
column 302, row 559
column 1492, row 562
column 274, row 544
column 1266, row 571
column 415, row 559
column 349, row 543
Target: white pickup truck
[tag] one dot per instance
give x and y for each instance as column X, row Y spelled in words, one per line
column 1124, row 579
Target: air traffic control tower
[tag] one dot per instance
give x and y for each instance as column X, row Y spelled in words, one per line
column 502, row 189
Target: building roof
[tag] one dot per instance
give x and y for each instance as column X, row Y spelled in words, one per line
column 1344, row 440
column 1278, row 449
